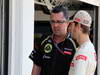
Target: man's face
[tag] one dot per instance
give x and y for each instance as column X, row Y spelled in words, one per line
column 74, row 30
column 58, row 24
column 71, row 27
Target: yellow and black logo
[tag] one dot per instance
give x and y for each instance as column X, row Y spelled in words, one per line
column 48, row 48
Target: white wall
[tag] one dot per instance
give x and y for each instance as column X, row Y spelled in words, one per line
column 20, row 36
column 27, row 36
column 93, row 2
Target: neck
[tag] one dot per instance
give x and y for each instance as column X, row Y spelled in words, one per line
column 58, row 39
column 83, row 38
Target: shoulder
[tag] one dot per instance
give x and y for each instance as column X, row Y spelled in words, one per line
column 44, row 38
column 87, row 48
column 87, row 51
column 39, row 40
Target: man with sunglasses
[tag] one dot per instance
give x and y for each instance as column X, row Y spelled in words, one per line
column 84, row 61
column 54, row 53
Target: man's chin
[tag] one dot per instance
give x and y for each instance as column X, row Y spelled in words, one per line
column 57, row 34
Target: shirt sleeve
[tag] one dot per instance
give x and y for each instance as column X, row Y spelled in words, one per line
column 36, row 57
column 36, row 54
column 81, row 62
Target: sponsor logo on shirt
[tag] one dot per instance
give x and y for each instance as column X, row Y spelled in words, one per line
column 67, row 49
column 48, row 48
column 81, row 57
column 46, row 57
column 67, row 52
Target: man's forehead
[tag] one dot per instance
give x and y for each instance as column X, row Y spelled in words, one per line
column 59, row 15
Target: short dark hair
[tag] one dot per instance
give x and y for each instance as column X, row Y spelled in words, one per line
column 85, row 29
column 63, row 9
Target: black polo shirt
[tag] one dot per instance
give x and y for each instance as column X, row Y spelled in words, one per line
column 54, row 59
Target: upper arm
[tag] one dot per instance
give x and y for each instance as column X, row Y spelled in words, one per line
column 36, row 70
column 80, row 68
column 81, row 62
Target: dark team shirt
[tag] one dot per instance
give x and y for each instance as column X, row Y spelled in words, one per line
column 54, row 59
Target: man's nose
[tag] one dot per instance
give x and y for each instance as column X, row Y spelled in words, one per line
column 55, row 24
